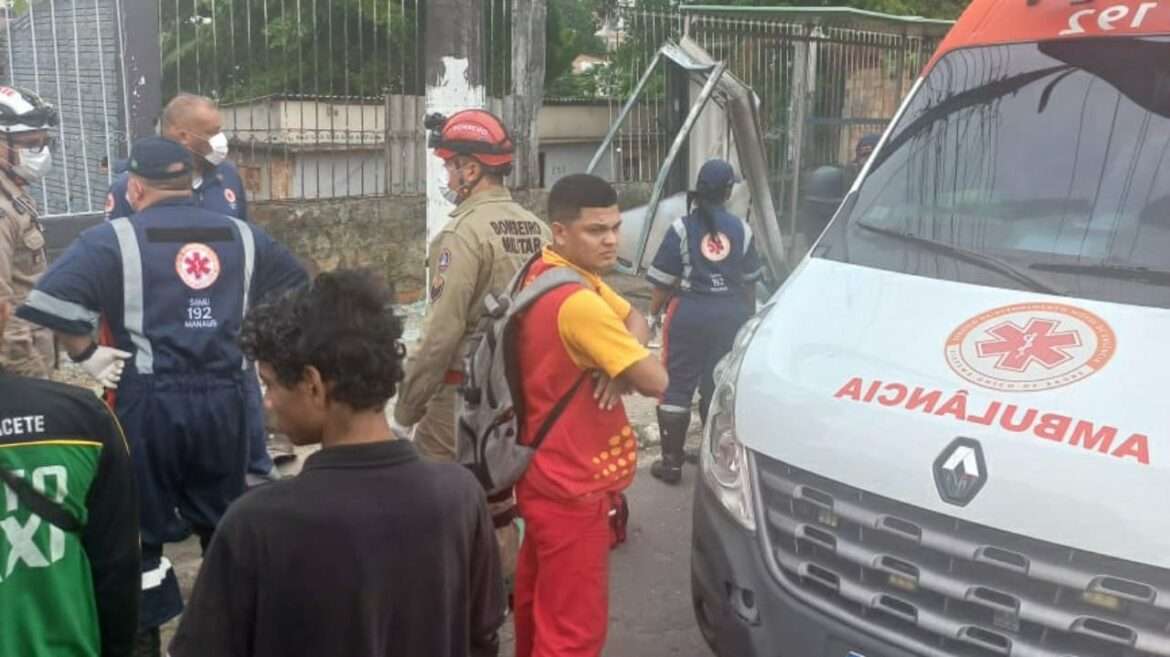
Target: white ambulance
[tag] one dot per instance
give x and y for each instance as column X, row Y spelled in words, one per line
column 948, row 433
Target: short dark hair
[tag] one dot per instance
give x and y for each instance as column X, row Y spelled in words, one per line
column 579, row 190
column 342, row 325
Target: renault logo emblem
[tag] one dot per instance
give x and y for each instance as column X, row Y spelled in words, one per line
column 960, row 471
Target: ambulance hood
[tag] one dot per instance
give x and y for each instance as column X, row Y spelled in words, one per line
column 868, row 377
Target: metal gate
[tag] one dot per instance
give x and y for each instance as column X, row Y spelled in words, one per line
column 824, row 78
column 321, row 99
column 68, row 52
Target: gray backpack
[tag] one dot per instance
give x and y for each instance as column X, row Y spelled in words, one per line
column 489, row 417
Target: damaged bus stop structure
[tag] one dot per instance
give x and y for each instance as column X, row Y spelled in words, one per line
column 780, row 92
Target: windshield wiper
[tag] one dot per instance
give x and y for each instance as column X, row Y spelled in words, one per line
column 966, row 255
column 1123, row 272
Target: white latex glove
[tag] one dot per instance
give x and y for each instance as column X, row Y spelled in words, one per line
column 401, row 432
column 105, row 366
column 655, row 322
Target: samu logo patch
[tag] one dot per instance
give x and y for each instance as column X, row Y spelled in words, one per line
column 197, row 265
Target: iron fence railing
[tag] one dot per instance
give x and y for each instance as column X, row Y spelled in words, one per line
column 850, row 81
column 322, row 98
column 68, row 52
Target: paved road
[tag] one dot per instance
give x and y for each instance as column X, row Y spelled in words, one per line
column 650, row 580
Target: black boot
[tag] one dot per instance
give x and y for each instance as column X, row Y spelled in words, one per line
column 673, row 428
column 147, row 643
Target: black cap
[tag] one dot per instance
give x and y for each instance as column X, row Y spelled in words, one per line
column 159, row 158
column 869, row 141
column 715, row 175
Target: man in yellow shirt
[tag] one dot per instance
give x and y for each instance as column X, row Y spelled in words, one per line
column 589, row 455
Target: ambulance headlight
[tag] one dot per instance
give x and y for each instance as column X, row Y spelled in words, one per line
column 724, row 461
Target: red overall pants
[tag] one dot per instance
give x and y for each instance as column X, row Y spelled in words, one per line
column 562, row 578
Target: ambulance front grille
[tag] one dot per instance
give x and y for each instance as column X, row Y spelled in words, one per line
column 941, row 586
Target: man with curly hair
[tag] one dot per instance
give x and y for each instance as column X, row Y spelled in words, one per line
column 370, row 550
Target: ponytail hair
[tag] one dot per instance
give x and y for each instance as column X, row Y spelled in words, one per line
column 704, row 202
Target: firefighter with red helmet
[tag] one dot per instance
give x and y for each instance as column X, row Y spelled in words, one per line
column 487, row 239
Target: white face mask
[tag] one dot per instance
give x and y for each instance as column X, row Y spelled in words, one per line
column 451, row 195
column 219, row 149
column 33, row 164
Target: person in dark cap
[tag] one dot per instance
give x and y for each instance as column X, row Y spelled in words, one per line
column 172, row 282
column 861, row 153
column 197, row 123
column 865, row 147
column 704, row 276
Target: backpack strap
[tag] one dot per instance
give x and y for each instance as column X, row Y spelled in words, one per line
column 545, row 283
column 42, row 506
column 522, row 299
column 555, row 414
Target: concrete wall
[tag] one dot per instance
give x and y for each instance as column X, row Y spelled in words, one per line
column 561, row 160
column 275, row 173
column 307, row 121
column 870, row 93
column 325, row 174
column 384, row 234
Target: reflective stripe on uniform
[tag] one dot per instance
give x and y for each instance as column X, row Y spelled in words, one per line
column 133, row 294
column 680, row 228
column 249, row 242
column 60, row 308
column 662, row 278
column 152, row 579
column 751, row 276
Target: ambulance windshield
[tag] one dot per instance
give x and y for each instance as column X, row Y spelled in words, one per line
column 1030, row 166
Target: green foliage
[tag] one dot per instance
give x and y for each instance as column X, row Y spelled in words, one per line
column 629, row 59
column 928, row 8
column 237, row 50
column 572, row 28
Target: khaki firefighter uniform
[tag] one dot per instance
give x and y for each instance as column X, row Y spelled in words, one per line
column 488, row 238
column 27, row 349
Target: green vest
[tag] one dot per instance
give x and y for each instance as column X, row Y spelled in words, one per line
column 47, row 602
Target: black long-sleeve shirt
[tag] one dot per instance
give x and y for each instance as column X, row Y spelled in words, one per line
column 63, row 592
column 369, row 552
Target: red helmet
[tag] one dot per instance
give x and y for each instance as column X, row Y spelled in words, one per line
column 476, row 133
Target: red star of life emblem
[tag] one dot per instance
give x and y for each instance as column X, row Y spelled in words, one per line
column 715, row 247
column 1037, row 342
column 197, row 265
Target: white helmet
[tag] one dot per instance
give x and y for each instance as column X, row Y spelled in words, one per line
column 23, row 111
